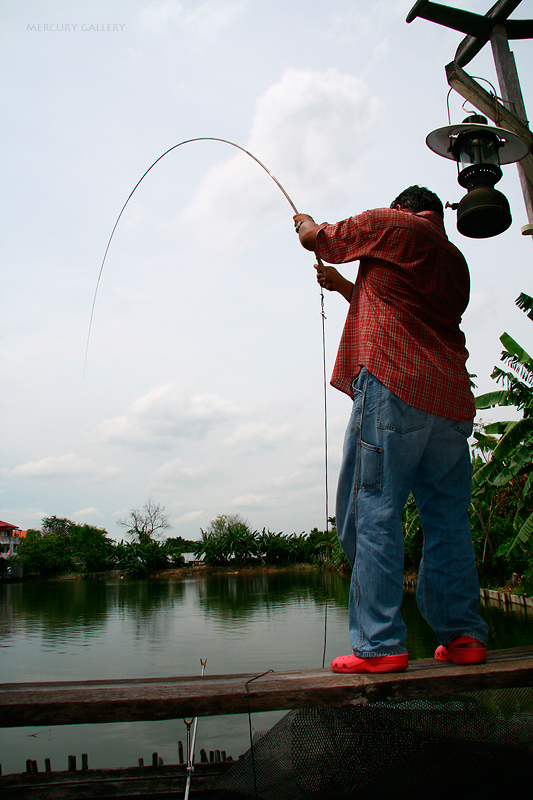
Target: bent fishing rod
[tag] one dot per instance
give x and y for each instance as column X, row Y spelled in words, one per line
column 320, row 264
column 170, row 149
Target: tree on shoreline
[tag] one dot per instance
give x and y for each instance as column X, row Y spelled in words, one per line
column 227, row 537
column 146, row 524
column 64, row 546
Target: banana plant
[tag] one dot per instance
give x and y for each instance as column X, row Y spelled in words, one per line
column 509, row 470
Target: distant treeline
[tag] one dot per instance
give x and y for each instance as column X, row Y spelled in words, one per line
column 63, row 546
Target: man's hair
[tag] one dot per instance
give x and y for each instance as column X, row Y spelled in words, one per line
column 418, row 198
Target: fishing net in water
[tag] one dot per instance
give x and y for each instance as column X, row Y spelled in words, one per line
column 470, row 746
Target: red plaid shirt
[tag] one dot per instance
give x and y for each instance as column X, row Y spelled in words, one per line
column 403, row 323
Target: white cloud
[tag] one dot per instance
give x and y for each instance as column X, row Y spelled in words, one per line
column 483, row 301
column 203, row 20
column 249, row 501
column 252, row 435
column 310, row 130
column 69, row 465
column 84, row 513
column 292, row 481
column 174, row 471
column 26, row 517
column 366, row 23
column 166, row 413
column 191, row 516
column 314, row 126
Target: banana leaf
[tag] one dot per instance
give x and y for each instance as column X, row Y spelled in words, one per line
column 498, row 428
column 516, row 350
column 524, row 535
column 525, row 302
column 483, row 475
column 518, row 433
column 491, row 399
column 485, row 442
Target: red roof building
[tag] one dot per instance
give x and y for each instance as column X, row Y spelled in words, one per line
column 9, row 537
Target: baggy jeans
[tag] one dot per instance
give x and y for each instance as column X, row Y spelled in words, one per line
column 390, row 449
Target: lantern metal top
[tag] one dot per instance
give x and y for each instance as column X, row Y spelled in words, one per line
column 512, row 147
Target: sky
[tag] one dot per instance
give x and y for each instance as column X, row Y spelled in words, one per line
column 203, row 387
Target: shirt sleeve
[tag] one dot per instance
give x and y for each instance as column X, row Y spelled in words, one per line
column 344, row 241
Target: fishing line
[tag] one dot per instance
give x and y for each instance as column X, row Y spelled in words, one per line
column 326, row 477
column 250, row 725
column 291, row 203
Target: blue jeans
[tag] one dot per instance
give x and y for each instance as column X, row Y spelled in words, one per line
column 390, row 449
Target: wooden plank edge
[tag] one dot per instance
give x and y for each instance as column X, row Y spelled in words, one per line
column 63, row 705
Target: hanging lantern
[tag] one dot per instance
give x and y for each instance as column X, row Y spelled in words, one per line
column 479, row 150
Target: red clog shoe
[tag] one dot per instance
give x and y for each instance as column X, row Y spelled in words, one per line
column 458, row 653
column 352, row 664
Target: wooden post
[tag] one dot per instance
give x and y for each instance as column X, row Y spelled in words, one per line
column 472, row 44
column 512, row 93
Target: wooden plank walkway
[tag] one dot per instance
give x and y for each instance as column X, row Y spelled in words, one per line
column 78, row 702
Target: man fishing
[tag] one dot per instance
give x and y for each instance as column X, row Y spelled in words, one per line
column 402, row 360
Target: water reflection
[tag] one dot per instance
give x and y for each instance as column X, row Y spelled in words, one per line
column 59, row 610
column 235, row 597
column 145, row 597
column 157, row 608
column 54, row 604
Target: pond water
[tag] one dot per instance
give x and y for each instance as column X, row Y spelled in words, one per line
column 240, row 623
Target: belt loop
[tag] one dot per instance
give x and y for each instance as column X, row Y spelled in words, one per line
column 362, row 371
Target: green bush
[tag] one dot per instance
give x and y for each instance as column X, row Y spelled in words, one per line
column 44, row 554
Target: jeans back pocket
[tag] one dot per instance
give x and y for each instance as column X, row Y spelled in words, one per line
column 370, row 467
